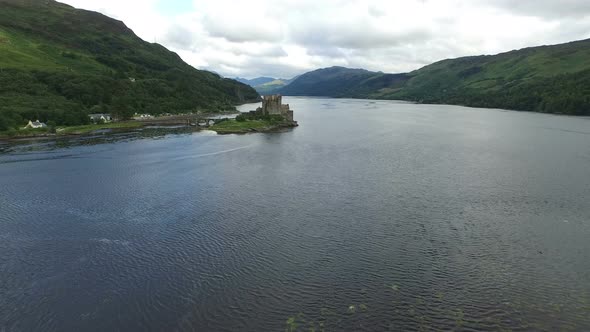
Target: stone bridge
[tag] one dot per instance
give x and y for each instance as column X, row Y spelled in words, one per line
column 188, row 120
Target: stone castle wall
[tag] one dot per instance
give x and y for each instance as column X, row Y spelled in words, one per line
column 273, row 105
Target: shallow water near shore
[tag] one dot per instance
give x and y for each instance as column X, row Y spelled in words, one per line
column 370, row 216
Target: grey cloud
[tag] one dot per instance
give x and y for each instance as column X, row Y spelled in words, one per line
column 394, row 59
column 566, row 31
column 380, row 35
column 549, row 9
column 360, row 36
column 402, row 58
column 573, row 31
column 325, row 51
column 255, row 67
column 276, row 52
column 374, row 11
column 179, row 37
column 273, row 51
column 239, row 33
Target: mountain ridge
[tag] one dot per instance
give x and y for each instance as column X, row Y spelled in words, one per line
column 266, row 85
column 547, row 78
column 255, row 81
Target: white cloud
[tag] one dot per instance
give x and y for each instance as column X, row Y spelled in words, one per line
column 283, row 38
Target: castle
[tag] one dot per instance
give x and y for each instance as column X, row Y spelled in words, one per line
column 273, row 105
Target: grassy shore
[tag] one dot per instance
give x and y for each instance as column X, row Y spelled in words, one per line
column 230, row 126
column 78, row 130
column 233, row 126
column 73, row 130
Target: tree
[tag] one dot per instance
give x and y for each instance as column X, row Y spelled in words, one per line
column 123, row 108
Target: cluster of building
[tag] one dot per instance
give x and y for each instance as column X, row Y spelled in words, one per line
column 100, row 117
column 35, row 125
column 96, row 118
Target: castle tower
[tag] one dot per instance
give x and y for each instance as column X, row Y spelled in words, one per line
column 272, row 105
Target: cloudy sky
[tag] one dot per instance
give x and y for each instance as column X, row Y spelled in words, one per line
column 284, row 38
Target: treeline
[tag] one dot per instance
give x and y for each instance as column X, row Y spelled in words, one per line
column 67, row 98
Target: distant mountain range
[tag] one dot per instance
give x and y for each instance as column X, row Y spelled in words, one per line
column 58, row 63
column 341, row 82
column 550, row 79
column 266, row 85
column 255, row 81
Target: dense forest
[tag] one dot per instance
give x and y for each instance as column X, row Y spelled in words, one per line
column 59, row 64
column 550, row 79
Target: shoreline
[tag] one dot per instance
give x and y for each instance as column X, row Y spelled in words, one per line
column 277, row 128
column 123, row 126
column 414, row 102
column 249, row 129
column 74, row 131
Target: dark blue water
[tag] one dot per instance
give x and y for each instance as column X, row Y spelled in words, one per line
column 371, row 216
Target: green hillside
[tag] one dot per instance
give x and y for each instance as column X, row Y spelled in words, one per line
column 255, row 81
column 272, row 87
column 340, row 82
column 58, row 64
column 552, row 79
column 266, row 85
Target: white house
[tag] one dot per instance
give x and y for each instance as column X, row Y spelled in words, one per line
column 35, row 125
column 142, row 116
column 100, row 117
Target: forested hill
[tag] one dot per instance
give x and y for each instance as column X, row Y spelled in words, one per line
column 341, row 82
column 59, row 63
column 551, row 79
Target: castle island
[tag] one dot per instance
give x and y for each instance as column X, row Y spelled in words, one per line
column 273, row 105
column 272, row 116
